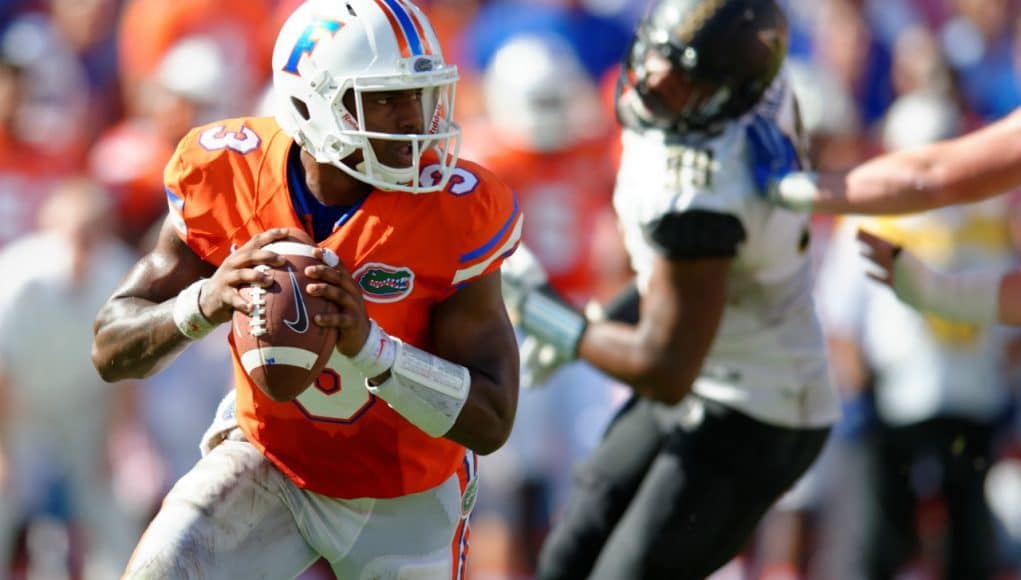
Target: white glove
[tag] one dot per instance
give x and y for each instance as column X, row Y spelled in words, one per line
column 521, row 274
column 552, row 328
column 539, row 361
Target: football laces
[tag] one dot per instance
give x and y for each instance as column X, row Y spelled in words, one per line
column 257, row 326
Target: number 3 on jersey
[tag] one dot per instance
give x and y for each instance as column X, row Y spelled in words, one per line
column 339, row 395
column 244, row 140
column 462, row 181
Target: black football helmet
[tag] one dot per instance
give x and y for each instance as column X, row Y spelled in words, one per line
column 728, row 51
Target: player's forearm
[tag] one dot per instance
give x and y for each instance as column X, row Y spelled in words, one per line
column 976, row 296
column 487, row 417
column 970, row 168
column 135, row 338
column 472, row 405
column 661, row 372
column 886, row 185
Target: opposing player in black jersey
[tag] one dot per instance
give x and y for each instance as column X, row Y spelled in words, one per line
column 733, row 400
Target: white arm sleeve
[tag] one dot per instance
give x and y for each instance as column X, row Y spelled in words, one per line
column 425, row 389
column 966, row 296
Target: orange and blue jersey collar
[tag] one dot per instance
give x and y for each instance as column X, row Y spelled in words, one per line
column 319, row 219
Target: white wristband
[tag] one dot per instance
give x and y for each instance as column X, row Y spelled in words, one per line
column 188, row 316
column 377, row 354
column 966, row 296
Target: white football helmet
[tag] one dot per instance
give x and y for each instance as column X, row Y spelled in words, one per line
column 329, row 47
column 539, row 95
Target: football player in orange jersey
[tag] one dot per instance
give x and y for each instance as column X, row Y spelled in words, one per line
column 373, row 467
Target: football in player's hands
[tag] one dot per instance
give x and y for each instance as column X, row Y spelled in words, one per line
column 281, row 347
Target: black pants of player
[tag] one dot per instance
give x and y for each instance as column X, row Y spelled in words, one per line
column 959, row 451
column 658, row 501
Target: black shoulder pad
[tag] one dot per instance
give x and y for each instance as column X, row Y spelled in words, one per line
column 696, row 234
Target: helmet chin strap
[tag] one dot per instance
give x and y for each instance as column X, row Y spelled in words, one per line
column 386, row 173
column 371, row 165
column 369, row 169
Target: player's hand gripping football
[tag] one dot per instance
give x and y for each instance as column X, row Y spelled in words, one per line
column 351, row 320
column 220, row 295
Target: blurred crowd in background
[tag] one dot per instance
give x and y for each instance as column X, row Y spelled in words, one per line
column 95, row 94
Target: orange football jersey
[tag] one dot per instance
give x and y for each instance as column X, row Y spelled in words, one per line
column 229, row 181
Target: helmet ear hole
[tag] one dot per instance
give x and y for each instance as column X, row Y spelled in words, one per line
column 301, row 107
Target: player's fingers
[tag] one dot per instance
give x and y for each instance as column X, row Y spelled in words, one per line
column 344, row 319
column 231, row 299
column 877, row 250
column 238, row 302
column 875, row 244
column 333, row 276
column 254, row 256
column 342, row 297
column 879, row 277
column 252, row 252
column 267, row 237
column 866, row 236
column 866, row 249
column 257, row 276
column 326, row 273
column 328, row 257
column 878, row 271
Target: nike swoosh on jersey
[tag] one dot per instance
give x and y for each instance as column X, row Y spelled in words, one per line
column 299, row 325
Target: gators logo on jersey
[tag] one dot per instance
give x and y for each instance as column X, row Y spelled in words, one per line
column 384, row 283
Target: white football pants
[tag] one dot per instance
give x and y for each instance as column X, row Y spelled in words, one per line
column 234, row 515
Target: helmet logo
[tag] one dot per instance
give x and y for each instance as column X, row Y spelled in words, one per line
column 771, row 38
column 422, row 65
column 687, row 29
column 309, row 38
